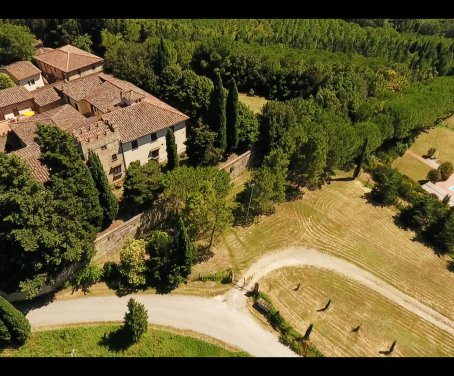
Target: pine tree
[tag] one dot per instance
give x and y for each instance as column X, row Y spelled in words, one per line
column 216, row 113
column 185, row 247
column 135, row 322
column 163, row 57
column 361, row 159
column 172, row 155
column 106, row 198
column 232, row 117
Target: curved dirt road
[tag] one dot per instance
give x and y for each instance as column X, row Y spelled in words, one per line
column 226, row 317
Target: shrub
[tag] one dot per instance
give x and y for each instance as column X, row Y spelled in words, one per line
column 110, row 271
column 136, row 320
column 431, row 152
column 434, row 175
column 15, row 323
column 89, row 276
column 132, row 262
column 446, row 169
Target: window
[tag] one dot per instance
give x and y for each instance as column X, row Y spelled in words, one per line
column 134, row 145
column 104, row 147
column 154, row 154
column 154, row 137
column 93, row 109
column 31, row 82
column 76, row 106
column 114, row 157
column 116, row 170
column 15, row 111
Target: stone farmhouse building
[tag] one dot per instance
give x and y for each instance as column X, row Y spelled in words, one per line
column 14, row 101
column 67, row 63
column 119, row 121
column 25, row 74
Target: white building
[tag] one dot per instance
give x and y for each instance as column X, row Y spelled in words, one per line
column 25, row 74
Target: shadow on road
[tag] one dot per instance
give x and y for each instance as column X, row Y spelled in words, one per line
column 38, row 302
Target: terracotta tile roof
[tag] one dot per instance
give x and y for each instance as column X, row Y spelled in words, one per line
column 78, row 89
column 127, row 86
column 46, row 95
column 105, row 97
column 141, row 119
column 68, row 58
column 21, row 70
column 31, row 155
column 13, row 95
column 92, row 129
column 65, row 117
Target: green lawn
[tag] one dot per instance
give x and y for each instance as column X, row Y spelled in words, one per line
column 411, row 167
column 254, row 103
column 440, row 138
column 87, row 341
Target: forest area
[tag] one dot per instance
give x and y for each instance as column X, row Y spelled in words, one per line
column 342, row 93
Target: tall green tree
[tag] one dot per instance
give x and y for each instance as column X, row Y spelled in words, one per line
column 185, row 248
column 201, row 147
column 83, row 42
column 163, row 57
column 216, row 113
column 232, row 117
column 135, row 322
column 132, row 262
column 171, row 147
column 16, row 43
column 107, row 200
column 361, row 159
column 6, row 81
column 142, row 185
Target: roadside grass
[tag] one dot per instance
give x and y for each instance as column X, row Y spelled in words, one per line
column 352, row 304
column 338, row 220
column 87, row 341
column 254, row 103
column 412, row 167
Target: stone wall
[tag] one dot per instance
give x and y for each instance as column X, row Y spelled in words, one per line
column 236, row 166
column 107, row 245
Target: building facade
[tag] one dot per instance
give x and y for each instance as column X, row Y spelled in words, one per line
column 24, row 74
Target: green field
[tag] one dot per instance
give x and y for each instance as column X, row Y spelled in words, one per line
column 440, row 138
column 413, row 168
column 352, row 304
column 254, row 103
column 87, row 341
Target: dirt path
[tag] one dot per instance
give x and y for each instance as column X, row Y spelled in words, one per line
column 429, row 162
column 299, row 256
column 226, row 317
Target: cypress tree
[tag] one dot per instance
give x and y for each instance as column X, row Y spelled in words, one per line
column 185, row 247
column 232, row 117
column 172, row 155
column 216, row 113
column 106, row 198
column 361, row 159
column 163, row 57
column 14, row 322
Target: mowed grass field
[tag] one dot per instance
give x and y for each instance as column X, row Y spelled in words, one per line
column 412, row 167
column 440, row 138
column 352, row 304
column 254, row 103
column 85, row 341
column 338, row 220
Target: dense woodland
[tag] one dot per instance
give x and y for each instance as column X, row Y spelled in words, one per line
column 342, row 93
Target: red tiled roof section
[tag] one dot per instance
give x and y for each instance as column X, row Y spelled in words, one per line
column 13, row 95
column 105, row 97
column 64, row 117
column 46, row 95
column 93, row 129
column 68, row 58
column 127, row 86
column 31, row 155
column 21, row 70
column 141, row 119
column 78, row 89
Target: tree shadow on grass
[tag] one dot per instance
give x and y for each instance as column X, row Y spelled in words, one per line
column 451, row 266
column 116, row 341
